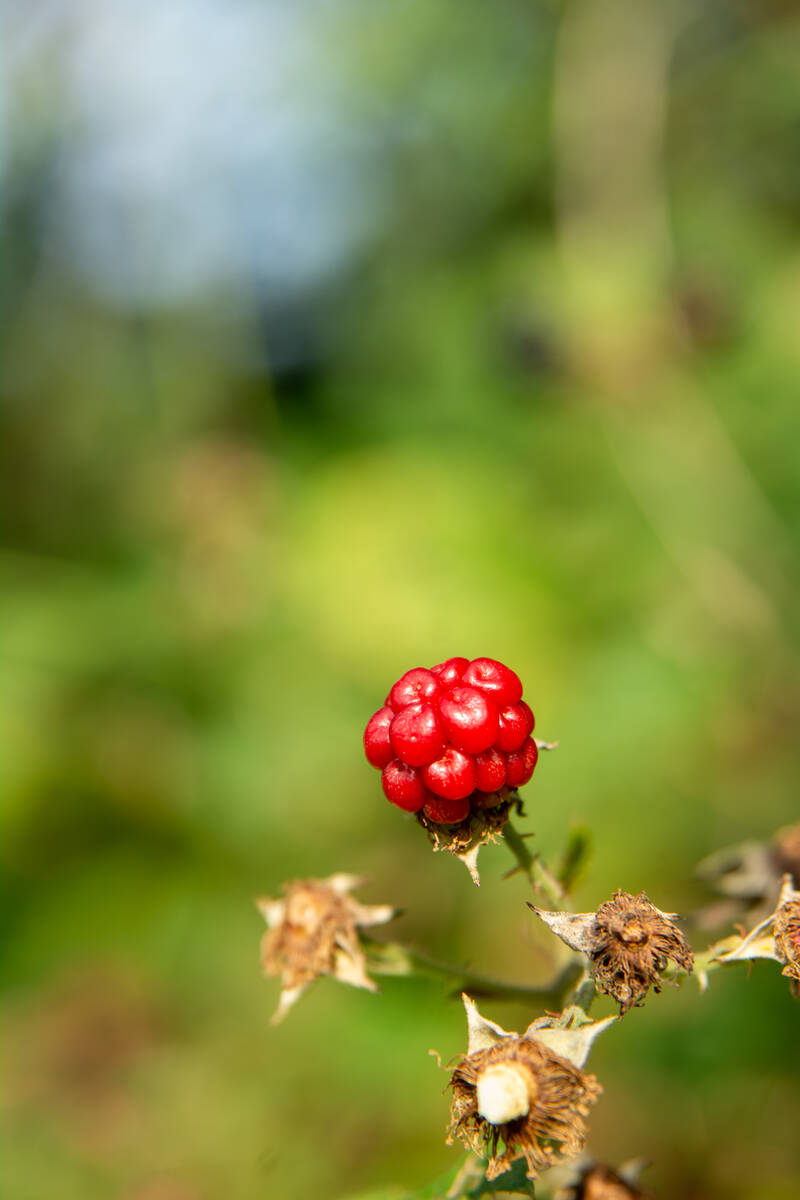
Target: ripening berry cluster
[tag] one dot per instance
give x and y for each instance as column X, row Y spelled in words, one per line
column 447, row 739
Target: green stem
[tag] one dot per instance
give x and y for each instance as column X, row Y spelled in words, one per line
column 705, row 962
column 534, row 868
column 391, row 958
column 584, row 994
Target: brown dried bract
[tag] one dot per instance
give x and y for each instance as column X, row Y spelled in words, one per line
column 485, row 823
column 601, row 1183
column 559, row 1098
column 313, row 931
column 787, row 938
column 632, row 944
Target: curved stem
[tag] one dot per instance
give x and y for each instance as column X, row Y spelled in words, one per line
column 584, row 995
column 391, row 958
column 534, row 868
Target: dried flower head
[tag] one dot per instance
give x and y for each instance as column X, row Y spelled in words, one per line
column 787, row 936
column 513, row 1095
column 635, row 941
column 313, row 931
column 750, row 876
column 599, row 1182
column 629, row 943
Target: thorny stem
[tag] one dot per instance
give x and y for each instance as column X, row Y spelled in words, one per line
column 534, row 868
column 705, row 962
column 583, row 995
column 391, row 958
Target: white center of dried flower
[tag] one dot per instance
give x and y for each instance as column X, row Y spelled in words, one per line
column 306, row 911
column 503, row 1093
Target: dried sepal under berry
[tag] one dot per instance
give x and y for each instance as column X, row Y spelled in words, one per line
column 482, row 825
column 546, row 1110
column 313, row 931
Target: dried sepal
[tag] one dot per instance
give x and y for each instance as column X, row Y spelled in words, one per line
column 481, row 1032
column 576, row 930
column 758, row 943
column 313, row 931
column 776, row 937
column 570, row 1033
column 513, row 1096
column 484, row 824
column 629, row 943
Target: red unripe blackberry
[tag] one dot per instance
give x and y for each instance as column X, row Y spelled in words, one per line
column 516, row 723
column 417, row 686
column 451, row 776
column 520, row 763
column 416, row 735
column 403, row 786
column 452, row 739
column 469, row 718
column 495, row 680
column 490, row 770
column 446, row 812
column 450, row 671
column 377, row 746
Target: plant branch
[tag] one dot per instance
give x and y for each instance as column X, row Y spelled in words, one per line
column 392, row 958
column 538, row 874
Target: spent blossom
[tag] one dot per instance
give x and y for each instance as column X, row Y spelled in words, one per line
column 313, row 931
column 629, row 943
column 517, row 1095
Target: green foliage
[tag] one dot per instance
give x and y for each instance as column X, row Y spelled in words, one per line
column 548, row 412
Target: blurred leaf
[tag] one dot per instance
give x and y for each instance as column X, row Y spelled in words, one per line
column 575, row 857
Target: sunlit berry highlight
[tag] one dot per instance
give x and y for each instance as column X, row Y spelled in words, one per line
column 416, row 735
column 403, row 786
column 451, row 776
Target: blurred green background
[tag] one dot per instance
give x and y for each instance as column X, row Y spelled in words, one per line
column 337, row 338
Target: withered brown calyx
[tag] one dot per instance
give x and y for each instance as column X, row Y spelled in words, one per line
column 313, row 931
column 523, row 1095
column 629, row 943
column 557, row 1099
column 484, row 824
